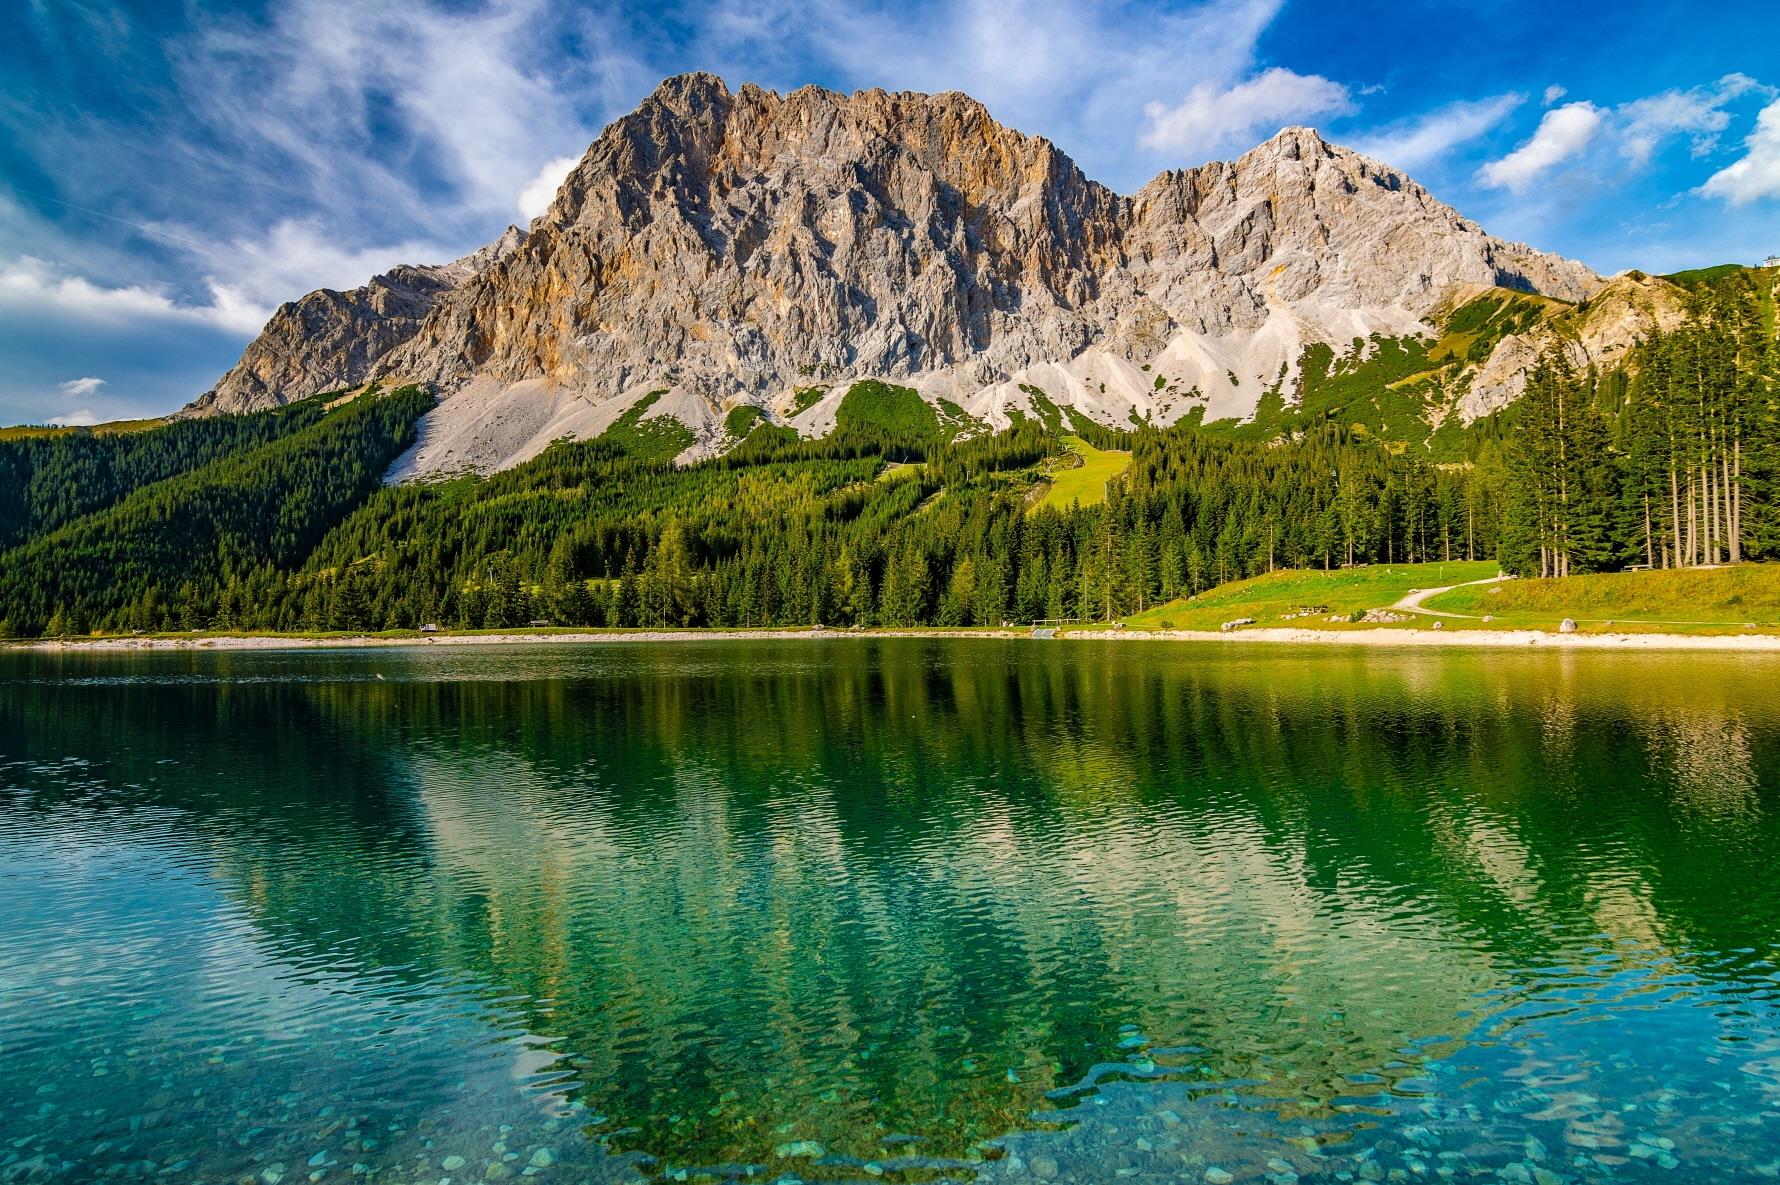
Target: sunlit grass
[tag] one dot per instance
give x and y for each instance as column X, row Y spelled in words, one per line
column 25, row 431
column 1085, row 483
column 1676, row 601
column 1268, row 599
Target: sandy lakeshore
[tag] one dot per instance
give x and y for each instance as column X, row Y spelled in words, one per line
column 1386, row 637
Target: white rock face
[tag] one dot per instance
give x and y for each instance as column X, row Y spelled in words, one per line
column 734, row 247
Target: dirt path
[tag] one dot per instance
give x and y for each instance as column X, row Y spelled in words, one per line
column 1413, row 602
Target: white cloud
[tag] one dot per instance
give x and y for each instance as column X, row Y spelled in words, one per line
column 1553, row 93
column 1077, row 73
column 1636, row 130
column 305, row 148
column 1214, row 118
column 31, row 286
column 1417, row 143
column 1032, row 62
column 80, row 388
column 249, row 277
column 1563, row 132
column 536, row 197
column 460, row 117
column 1757, row 175
column 244, row 280
column 74, row 419
column 1699, row 113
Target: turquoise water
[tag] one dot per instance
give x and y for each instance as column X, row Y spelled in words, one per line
column 894, row 910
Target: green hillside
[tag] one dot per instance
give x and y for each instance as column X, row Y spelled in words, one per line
column 1746, row 594
column 661, row 438
column 52, row 476
column 1735, row 599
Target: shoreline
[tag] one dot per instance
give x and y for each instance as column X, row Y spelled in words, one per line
column 1275, row 635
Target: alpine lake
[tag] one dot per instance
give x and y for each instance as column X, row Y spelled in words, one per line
column 888, row 910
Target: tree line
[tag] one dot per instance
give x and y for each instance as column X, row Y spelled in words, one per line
column 592, row 534
column 1669, row 462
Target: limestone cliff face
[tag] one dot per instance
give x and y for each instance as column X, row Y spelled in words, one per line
column 731, row 247
column 735, row 243
column 1309, row 225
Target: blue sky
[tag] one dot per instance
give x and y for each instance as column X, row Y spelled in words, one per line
column 170, row 173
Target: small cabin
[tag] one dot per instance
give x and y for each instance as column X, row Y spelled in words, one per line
column 429, row 628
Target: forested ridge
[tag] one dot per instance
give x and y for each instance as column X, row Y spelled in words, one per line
column 54, row 478
column 900, row 517
column 168, row 549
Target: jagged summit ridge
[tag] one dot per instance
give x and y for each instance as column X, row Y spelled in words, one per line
column 729, row 247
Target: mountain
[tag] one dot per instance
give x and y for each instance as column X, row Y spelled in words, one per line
column 716, row 249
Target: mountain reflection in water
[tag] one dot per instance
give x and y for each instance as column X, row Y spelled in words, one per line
column 908, row 908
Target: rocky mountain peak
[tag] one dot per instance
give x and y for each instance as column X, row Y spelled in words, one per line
column 483, row 258
column 694, row 142
column 750, row 246
column 1295, row 142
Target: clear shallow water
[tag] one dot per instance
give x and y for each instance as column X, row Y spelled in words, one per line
column 889, row 910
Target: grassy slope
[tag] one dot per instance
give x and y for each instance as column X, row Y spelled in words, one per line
column 1699, row 276
column 1268, row 598
column 1084, row 483
column 889, row 408
column 1688, row 601
column 110, row 428
column 1696, row 601
column 660, row 439
column 741, row 420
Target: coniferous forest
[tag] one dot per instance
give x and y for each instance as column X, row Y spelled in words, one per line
column 902, row 516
